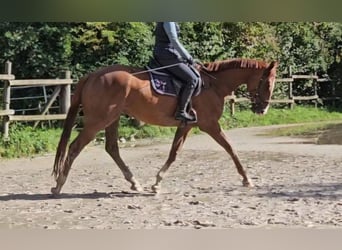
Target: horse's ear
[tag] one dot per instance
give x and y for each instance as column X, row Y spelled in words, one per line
column 272, row 65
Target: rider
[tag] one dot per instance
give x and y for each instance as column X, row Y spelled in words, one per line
column 167, row 51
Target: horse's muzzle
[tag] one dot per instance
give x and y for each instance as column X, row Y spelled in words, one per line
column 260, row 108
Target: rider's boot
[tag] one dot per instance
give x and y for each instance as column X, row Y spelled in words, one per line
column 184, row 101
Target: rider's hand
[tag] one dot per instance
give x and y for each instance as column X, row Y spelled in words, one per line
column 190, row 61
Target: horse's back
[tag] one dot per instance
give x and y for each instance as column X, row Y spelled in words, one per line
column 115, row 69
column 121, row 75
column 115, row 80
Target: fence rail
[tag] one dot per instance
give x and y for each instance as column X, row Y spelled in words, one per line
column 40, row 82
column 291, row 98
column 62, row 89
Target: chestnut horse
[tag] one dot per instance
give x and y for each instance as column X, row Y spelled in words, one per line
column 113, row 90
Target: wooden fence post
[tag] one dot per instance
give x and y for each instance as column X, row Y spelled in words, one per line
column 333, row 92
column 315, row 83
column 232, row 104
column 290, row 86
column 6, row 101
column 65, row 94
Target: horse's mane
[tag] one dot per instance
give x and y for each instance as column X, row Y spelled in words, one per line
column 235, row 64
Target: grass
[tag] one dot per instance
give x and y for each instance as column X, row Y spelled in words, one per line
column 281, row 116
column 302, row 130
column 26, row 141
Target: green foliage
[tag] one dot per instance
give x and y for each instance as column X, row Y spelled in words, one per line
column 36, row 49
column 204, row 40
column 309, row 47
column 101, row 44
column 252, row 40
column 128, row 129
column 44, row 50
column 280, row 116
column 307, row 129
column 26, row 141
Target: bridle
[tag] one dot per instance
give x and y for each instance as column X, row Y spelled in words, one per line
column 254, row 96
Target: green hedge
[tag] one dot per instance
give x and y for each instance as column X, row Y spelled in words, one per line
column 44, row 50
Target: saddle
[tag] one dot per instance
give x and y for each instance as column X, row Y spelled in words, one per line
column 164, row 83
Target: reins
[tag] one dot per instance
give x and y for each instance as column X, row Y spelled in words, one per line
column 205, row 71
column 154, row 69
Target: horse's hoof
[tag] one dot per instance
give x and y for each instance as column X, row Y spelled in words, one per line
column 136, row 187
column 247, row 183
column 54, row 191
column 156, row 189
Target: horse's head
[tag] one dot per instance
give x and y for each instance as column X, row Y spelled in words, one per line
column 260, row 76
column 261, row 95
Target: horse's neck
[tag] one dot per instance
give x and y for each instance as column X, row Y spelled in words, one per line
column 228, row 81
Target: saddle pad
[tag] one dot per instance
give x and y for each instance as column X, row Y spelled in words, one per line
column 163, row 84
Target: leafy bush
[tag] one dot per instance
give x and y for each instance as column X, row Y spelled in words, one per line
column 26, row 141
column 45, row 50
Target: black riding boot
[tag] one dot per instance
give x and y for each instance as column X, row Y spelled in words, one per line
column 184, row 101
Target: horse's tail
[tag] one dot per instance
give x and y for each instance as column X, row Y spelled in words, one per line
column 58, row 166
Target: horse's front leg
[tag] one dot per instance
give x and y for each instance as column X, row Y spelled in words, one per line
column 177, row 144
column 218, row 135
column 112, row 149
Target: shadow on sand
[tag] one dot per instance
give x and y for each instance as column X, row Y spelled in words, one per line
column 331, row 191
column 94, row 195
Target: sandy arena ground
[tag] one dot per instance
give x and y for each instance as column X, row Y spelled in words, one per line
column 297, row 185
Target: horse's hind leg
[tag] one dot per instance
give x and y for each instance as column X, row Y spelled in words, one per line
column 112, row 149
column 84, row 137
column 177, row 144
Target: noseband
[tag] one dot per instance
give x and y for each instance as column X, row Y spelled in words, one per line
column 254, row 95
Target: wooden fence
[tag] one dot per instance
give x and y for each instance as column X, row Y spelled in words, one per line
column 291, row 98
column 62, row 89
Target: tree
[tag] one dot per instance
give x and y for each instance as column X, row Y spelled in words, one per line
column 36, row 49
column 44, row 50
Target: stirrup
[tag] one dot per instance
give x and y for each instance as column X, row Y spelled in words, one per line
column 182, row 116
